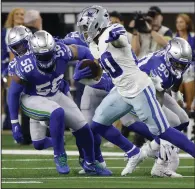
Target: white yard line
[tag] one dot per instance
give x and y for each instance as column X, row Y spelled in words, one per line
column 69, row 153
column 45, row 168
column 21, row 182
column 49, row 159
column 62, row 178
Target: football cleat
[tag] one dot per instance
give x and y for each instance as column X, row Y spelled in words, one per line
column 102, row 164
column 61, row 164
column 96, row 169
column 162, row 170
column 133, row 162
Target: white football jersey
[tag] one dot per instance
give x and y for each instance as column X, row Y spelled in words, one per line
column 120, row 64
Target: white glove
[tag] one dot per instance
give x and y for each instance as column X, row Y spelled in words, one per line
column 157, row 83
column 165, row 150
column 178, row 96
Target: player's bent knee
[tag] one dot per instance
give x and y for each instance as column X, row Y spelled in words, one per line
column 38, row 145
column 58, row 113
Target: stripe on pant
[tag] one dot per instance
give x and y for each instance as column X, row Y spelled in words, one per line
column 34, row 113
column 162, row 115
column 153, row 109
column 159, row 116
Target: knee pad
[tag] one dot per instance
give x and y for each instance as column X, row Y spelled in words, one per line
column 58, row 113
column 39, row 145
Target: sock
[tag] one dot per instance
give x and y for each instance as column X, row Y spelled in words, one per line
column 182, row 126
column 179, row 139
column 84, row 136
column 43, row 144
column 125, row 131
column 97, row 150
column 80, row 149
column 142, row 129
column 57, row 127
column 113, row 135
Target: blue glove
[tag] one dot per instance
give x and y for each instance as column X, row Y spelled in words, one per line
column 81, row 74
column 115, row 34
column 17, row 132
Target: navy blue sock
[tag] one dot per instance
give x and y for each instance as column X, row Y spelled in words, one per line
column 43, row 144
column 57, row 126
column 179, row 139
column 113, row 135
column 142, row 129
column 84, row 137
column 97, row 150
column 182, row 126
column 79, row 146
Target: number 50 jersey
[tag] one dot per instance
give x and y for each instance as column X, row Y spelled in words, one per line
column 38, row 82
column 120, row 64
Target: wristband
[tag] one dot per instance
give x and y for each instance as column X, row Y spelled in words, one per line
column 14, row 121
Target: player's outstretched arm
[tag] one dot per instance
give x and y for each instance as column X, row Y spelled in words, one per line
column 80, row 52
column 14, row 92
column 118, row 36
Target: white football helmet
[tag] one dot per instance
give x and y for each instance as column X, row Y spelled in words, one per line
column 178, row 56
column 92, row 20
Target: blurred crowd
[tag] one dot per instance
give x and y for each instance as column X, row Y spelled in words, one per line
column 146, row 34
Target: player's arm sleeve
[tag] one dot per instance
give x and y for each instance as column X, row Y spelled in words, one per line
column 105, row 83
column 14, row 92
column 175, row 87
column 81, row 52
column 69, row 41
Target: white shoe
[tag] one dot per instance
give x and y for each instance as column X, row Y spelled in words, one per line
column 160, row 170
column 133, row 162
column 102, row 164
column 151, row 152
column 108, row 144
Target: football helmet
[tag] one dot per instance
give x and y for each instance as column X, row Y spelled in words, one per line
column 43, row 45
column 91, row 21
column 178, row 56
column 18, row 40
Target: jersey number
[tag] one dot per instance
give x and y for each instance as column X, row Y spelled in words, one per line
column 46, row 88
column 59, row 51
column 27, row 64
column 109, row 64
column 163, row 69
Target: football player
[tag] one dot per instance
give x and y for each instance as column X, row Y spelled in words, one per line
column 37, row 79
column 134, row 89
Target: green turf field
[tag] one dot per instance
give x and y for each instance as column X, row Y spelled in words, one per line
column 38, row 171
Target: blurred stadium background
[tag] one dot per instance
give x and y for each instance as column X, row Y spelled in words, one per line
column 35, row 170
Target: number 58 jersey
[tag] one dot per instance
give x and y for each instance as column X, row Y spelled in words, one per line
column 120, row 64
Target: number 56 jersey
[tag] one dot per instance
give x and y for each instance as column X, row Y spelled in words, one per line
column 120, row 64
column 38, row 82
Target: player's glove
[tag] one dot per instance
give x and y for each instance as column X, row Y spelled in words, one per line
column 166, row 150
column 157, row 81
column 17, row 132
column 81, row 74
column 115, row 34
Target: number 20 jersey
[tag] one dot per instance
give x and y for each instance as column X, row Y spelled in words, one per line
column 120, row 64
column 38, row 82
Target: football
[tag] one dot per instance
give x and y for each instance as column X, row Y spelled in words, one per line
column 95, row 68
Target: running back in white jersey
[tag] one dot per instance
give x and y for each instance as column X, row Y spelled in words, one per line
column 120, row 64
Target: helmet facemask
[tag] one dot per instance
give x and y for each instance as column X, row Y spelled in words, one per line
column 45, row 60
column 91, row 22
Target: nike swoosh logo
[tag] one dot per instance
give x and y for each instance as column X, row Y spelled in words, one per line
column 169, row 175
